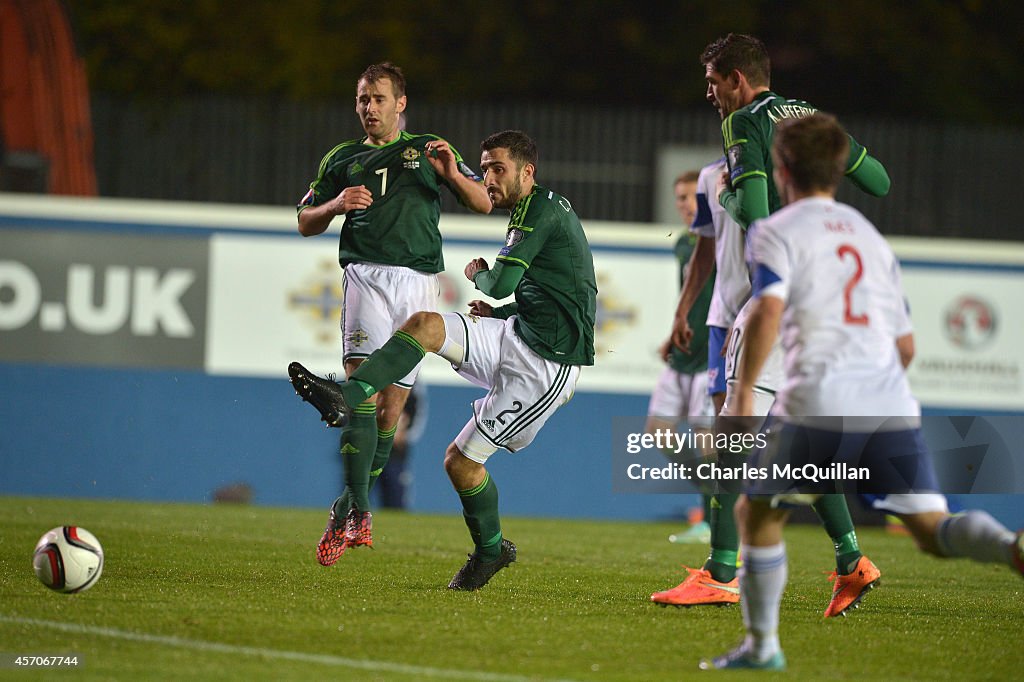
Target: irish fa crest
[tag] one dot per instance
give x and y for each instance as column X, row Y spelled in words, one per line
column 411, row 158
column 357, row 337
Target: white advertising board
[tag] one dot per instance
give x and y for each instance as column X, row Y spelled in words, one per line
column 273, row 297
column 277, row 299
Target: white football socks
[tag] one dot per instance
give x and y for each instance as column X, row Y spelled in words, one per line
column 762, row 581
column 977, row 535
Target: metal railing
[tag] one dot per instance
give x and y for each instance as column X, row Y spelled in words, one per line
column 948, row 180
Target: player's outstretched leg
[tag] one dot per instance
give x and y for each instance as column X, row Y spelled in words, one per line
column 972, row 534
column 392, row 361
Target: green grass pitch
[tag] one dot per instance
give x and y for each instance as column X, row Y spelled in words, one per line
column 230, row 592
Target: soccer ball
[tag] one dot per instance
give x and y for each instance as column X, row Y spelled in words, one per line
column 68, row 559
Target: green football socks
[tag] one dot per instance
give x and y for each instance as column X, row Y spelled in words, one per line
column 385, row 439
column 835, row 516
column 725, row 538
column 358, row 447
column 480, row 510
column 365, row 450
column 385, row 366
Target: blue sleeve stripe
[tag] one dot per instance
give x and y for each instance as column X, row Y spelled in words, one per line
column 764, row 277
column 703, row 216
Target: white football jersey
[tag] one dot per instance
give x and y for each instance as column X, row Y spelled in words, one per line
column 845, row 308
column 732, row 279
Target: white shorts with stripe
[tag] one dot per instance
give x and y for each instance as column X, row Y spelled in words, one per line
column 679, row 396
column 378, row 300
column 772, row 374
column 523, row 389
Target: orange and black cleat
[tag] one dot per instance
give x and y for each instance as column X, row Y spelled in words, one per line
column 359, row 529
column 848, row 590
column 332, row 545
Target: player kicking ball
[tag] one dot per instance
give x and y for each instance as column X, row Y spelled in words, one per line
column 825, row 275
column 527, row 354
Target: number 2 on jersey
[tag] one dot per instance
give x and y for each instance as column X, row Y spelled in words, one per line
column 848, row 315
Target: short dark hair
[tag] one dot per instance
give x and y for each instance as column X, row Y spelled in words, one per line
column 521, row 148
column 374, row 72
column 814, row 149
column 739, row 52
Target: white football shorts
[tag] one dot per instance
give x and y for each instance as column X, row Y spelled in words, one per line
column 523, row 389
column 772, row 373
column 378, row 300
column 678, row 396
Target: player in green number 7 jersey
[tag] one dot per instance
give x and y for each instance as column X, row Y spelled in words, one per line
column 388, row 186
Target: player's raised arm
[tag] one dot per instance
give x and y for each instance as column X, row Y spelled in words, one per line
column 468, row 186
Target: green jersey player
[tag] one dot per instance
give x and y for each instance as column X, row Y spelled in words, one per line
column 527, row 353
column 388, row 186
column 696, row 360
column 399, row 226
column 546, row 263
column 738, row 74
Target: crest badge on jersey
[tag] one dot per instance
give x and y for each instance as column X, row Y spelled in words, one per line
column 469, row 172
column 734, row 153
column 411, row 157
column 357, row 337
column 514, row 236
column 308, row 199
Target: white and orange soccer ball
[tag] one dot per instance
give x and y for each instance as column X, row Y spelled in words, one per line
column 68, row 559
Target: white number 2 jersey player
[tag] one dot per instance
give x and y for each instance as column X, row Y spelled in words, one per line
column 845, row 308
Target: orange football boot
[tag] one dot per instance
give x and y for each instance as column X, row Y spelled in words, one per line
column 699, row 588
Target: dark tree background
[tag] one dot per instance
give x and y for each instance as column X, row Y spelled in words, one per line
column 939, row 60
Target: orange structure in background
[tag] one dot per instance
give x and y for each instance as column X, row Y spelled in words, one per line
column 44, row 95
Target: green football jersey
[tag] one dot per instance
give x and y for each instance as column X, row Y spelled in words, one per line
column 697, row 359
column 747, row 140
column 400, row 226
column 557, row 296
